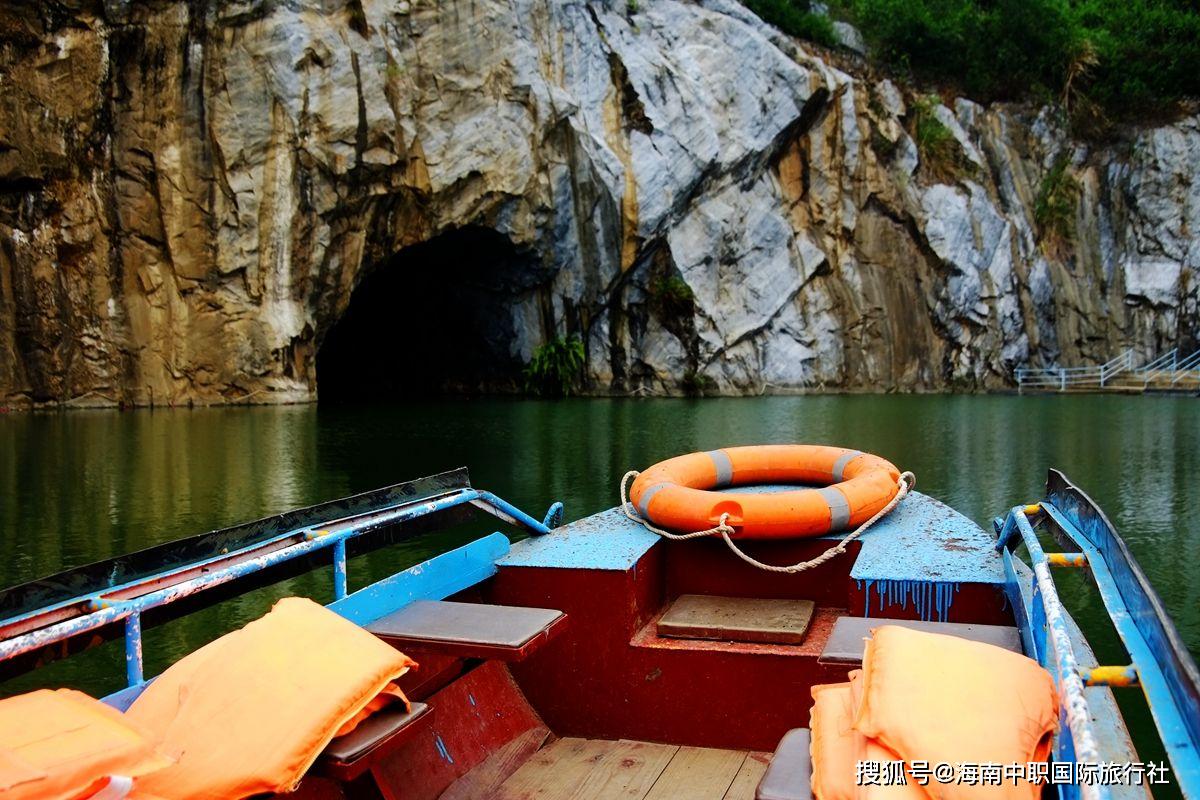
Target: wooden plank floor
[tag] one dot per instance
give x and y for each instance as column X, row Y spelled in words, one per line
column 593, row 769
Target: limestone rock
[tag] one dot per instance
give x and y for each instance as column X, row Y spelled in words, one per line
column 190, row 193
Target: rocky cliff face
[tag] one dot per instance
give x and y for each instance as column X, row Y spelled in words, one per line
column 190, row 193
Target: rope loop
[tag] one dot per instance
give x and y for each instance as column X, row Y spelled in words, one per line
column 906, row 483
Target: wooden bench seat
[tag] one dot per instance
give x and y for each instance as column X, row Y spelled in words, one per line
column 847, row 640
column 469, row 630
column 789, row 775
column 347, row 757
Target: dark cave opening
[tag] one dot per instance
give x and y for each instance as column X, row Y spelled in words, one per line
column 437, row 318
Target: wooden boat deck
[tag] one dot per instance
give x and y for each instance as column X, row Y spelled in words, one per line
column 597, row 769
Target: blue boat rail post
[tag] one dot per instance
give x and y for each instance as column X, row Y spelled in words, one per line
column 1160, row 664
column 1050, row 643
column 133, row 649
column 340, row 580
column 514, row 516
column 554, row 516
column 37, row 629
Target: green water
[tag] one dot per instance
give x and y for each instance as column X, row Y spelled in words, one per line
column 81, row 486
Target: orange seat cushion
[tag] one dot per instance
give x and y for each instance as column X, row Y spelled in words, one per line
column 62, row 744
column 926, row 696
column 250, row 712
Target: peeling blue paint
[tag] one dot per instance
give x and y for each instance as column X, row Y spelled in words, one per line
column 925, row 540
column 441, row 748
column 930, row 599
column 608, row 541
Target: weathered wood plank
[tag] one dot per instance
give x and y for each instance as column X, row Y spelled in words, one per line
column 737, row 619
column 746, row 781
column 580, row 769
column 484, row 780
column 558, row 770
column 627, row 772
column 698, row 773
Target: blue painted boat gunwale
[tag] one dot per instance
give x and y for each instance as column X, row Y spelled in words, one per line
column 1164, row 670
column 95, row 579
column 104, row 610
column 1076, row 739
column 109, row 611
column 479, row 498
column 1113, row 739
column 1178, row 737
column 99, row 599
column 434, row 579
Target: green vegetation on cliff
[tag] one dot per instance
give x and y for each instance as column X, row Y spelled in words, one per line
column 938, row 148
column 1105, row 60
column 795, row 18
column 1055, row 205
column 556, row 367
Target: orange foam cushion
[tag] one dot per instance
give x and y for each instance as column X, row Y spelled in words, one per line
column 62, row 744
column 250, row 712
column 926, row 696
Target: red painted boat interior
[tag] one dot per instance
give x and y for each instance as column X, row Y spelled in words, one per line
column 608, row 675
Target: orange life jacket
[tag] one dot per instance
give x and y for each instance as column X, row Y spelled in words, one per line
column 837, row 749
column 250, row 712
column 937, row 698
column 62, row 744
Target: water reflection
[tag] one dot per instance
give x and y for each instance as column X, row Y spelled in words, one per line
column 82, row 486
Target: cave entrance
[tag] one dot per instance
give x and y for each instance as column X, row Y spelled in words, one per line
column 439, row 317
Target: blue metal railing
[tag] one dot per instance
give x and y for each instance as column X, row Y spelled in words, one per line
column 1043, row 626
column 127, row 602
column 1160, row 664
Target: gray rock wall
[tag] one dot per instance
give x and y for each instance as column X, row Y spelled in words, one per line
column 190, row 192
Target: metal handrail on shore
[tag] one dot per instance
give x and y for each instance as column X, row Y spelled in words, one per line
column 1189, row 367
column 1062, row 377
column 1164, row 372
column 1167, row 362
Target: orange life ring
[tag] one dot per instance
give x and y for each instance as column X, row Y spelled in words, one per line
column 679, row 493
